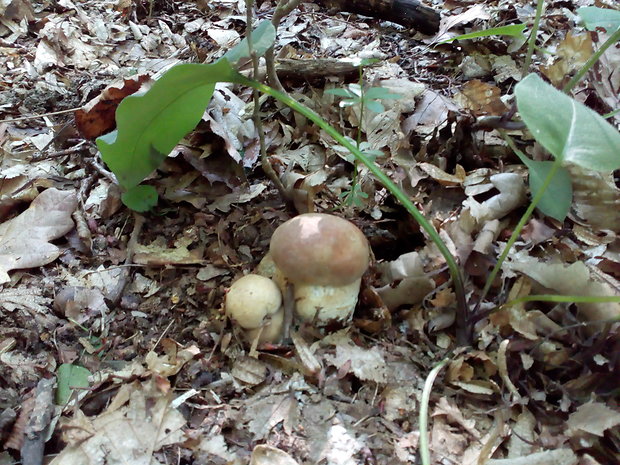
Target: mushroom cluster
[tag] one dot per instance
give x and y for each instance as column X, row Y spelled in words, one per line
column 323, row 257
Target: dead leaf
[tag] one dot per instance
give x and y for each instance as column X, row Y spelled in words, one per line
column 97, row 117
column 483, row 98
column 572, row 53
column 594, row 418
column 131, row 430
column 267, row 455
column 24, row 240
column 547, row 457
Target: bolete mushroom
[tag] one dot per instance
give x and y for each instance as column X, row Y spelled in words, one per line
column 323, row 257
column 255, row 304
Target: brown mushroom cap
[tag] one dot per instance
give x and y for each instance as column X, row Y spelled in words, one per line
column 321, row 249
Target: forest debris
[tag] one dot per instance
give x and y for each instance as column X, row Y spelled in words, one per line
column 574, row 279
column 267, row 455
column 129, row 431
column 173, row 359
column 366, row 364
column 158, row 254
column 249, row 370
column 24, row 240
column 512, row 194
column 408, row 13
column 547, row 457
column 594, row 418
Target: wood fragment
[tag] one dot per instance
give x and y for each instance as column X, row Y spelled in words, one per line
column 408, row 13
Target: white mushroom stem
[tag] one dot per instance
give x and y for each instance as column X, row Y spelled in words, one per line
column 326, row 303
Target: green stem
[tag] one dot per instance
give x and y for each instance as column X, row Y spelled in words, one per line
column 531, row 44
column 455, row 272
column 588, row 64
column 425, row 453
column 517, row 230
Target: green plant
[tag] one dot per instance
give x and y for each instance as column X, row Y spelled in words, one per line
column 149, row 126
column 355, row 95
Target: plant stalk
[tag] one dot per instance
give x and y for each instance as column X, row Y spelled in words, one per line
column 531, row 43
column 425, row 453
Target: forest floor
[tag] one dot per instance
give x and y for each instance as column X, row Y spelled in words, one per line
column 115, row 357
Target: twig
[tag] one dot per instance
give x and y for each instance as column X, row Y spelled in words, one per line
column 264, row 159
column 43, row 115
column 283, row 8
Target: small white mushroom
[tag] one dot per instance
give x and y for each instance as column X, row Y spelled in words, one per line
column 255, row 304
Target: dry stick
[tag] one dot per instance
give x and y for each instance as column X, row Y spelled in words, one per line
column 282, row 10
column 266, row 165
column 42, row 115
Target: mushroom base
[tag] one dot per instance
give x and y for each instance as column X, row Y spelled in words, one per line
column 322, row 304
column 271, row 331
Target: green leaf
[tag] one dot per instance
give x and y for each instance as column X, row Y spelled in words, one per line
column 557, row 199
column 594, row 18
column 140, row 198
column 381, row 93
column 70, row 377
column 150, row 125
column 263, row 37
column 569, row 130
column 515, row 30
column 340, row 93
column 374, row 106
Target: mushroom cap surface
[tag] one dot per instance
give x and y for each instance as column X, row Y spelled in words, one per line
column 321, row 249
column 251, row 299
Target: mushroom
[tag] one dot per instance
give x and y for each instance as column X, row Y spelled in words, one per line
column 255, row 304
column 323, row 257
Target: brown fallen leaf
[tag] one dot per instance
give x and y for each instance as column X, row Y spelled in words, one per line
column 97, row 117
column 24, row 240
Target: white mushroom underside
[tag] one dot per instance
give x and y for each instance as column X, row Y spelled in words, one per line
column 326, row 303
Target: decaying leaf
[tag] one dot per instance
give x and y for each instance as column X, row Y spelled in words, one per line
column 267, row 455
column 129, row 431
column 24, row 240
column 594, row 418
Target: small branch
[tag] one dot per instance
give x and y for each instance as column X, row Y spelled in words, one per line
column 281, row 11
column 258, row 124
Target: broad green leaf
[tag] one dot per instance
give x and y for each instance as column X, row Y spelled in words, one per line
column 515, row 30
column 69, row 378
column 263, row 37
column 569, row 130
column 557, row 199
column 150, row 125
column 605, row 18
column 140, row 198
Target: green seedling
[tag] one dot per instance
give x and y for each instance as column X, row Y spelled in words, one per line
column 354, row 95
